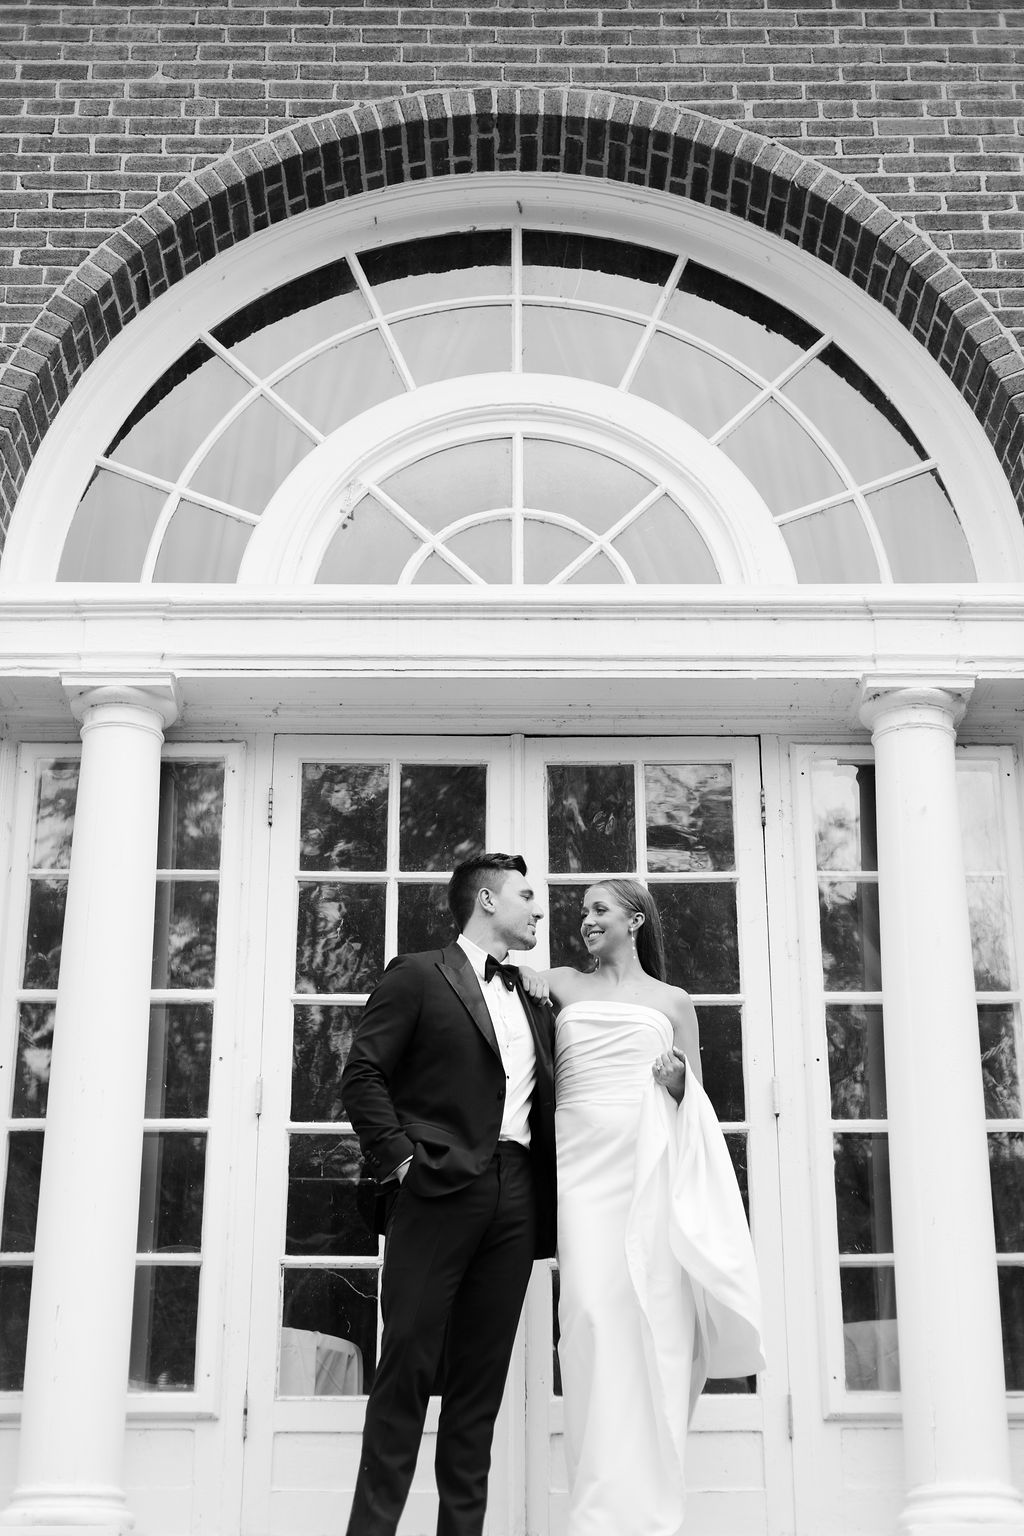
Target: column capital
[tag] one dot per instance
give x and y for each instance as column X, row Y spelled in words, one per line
column 156, row 692
column 914, row 697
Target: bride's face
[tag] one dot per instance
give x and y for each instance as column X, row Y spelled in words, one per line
column 605, row 923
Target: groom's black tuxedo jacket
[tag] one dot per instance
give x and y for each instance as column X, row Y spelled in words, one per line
column 424, row 1079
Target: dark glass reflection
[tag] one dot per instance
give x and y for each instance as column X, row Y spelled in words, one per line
column 567, row 947
column 736, row 1141
column 344, row 817
column 863, row 1209
column 1011, row 1307
column 191, row 814
column 848, row 912
column 164, row 1320
column 721, row 1057
column 178, row 1069
column 424, row 921
column 321, row 1040
column 45, row 930
column 442, row 814
column 328, row 1332
column 856, row 1061
column 339, row 944
column 21, row 1193
column 171, row 1196
column 845, row 827
column 1000, row 1069
column 56, row 798
column 689, row 816
column 1006, row 1170
column 323, row 1212
column 701, row 938
column 15, row 1291
column 591, row 817
column 32, row 1067
column 871, row 1342
column 185, row 933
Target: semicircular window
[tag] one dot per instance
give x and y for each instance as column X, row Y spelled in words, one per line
column 175, row 496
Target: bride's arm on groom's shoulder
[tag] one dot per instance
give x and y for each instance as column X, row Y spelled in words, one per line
column 546, row 986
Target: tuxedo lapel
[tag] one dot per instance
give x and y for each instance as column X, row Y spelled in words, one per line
column 461, row 977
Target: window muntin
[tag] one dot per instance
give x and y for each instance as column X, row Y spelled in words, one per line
column 777, row 396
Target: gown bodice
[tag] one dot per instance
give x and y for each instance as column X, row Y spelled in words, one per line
column 604, row 1051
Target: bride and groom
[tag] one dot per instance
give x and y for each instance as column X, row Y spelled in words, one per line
column 452, row 1085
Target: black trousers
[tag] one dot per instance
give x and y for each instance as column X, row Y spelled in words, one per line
column 455, row 1274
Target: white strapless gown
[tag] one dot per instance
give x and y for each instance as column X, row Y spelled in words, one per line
column 658, row 1284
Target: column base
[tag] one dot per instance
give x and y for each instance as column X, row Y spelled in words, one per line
column 963, row 1509
column 68, row 1512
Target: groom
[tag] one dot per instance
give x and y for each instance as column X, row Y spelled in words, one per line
column 449, row 1089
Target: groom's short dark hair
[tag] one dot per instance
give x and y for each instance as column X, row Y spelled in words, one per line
column 472, row 875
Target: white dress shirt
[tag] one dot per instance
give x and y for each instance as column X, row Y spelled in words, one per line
column 515, row 1043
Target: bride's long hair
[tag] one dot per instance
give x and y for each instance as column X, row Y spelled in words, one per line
column 650, row 936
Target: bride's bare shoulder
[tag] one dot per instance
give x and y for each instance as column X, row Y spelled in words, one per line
column 564, row 981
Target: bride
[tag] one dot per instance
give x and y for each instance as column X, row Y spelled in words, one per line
column 658, row 1287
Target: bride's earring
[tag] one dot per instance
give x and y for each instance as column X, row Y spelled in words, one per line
column 632, row 938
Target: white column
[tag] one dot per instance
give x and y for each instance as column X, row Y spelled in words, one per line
column 76, row 1370
column 951, row 1365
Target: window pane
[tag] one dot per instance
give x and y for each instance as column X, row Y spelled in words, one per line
column 988, row 905
column 591, row 487
column 111, row 530
column 689, row 816
column 45, row 930
column 586, row 268
column 438, row 572
column 56, row 796
column 1011, row 1306
column 424, row 921
column 662, row 545
column 185, row 933
column 252, row 456
column 856, row 1061
column 174, row 417
column 845, row 831
column 780, row 459
column 597, row 570
column 548, row 549
column 371, row 545
column 201, row 545
column 1006, row 1167
column 443, row 814
column 280, row 324
column 344, row 817
column 21, row 1194
column 981, row 824
column 922, row 534
column 577, row 343
column 736, row 1141
column 457, row 482
column 321, row 1040
column 456, row 342
column 721, row 1055
column 831, row 546
column 164, row 1319
column 701, row 937
column 323, row 1212
column 178, row 1071
column 32, row 1069
column 869, row 1329
column 683, row 379
column 191, row 813
column 567, row 947
column 850, row 410
column 340, row 937
column 1000, row 1060
column 328, row 1333
column 332, row 387
column 466, row 264
column 591, row 817
column 171, row 1192
column 739, row 320
column 15, row 1290
column 486, row 549
column 863, row 1211
column 848, row 911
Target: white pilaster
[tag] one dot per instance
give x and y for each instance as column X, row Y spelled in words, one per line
column 76, row 1370
column 954, row 1405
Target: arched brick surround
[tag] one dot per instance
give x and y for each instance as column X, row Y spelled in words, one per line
column 450, row 133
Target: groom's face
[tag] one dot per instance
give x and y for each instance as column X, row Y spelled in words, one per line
column 515, row 912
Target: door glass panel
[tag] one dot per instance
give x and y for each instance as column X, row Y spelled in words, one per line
column 591, row 817
column 178, row 1071
column 1006, row 1165
column 321, row 1040
column 721, row 1058
column 845, row 835
column 689, row 816
column 328, row 1332
column 701, row 940
column 56, row 797
column 323, row 1214
column 171, row 1206
column 46, row 901
column 340, row 937
column 15, row 1290
column 191, row 815
column 344, row 816
column 165, row 1319
column 21, row 1194
column 856, row 1061
column 32, row 1067
column 999, row 1030
column 185, row 934
column 848, row 911
column 424, row 921
column 442, row 815
column 871, row 1346
column 988, row 902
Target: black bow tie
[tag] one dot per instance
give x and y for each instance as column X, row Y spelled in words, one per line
column 508, row 973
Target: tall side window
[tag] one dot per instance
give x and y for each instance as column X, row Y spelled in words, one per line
column 48, row 786
column 864, row 1349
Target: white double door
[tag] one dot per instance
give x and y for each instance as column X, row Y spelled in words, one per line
column 365, row 831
